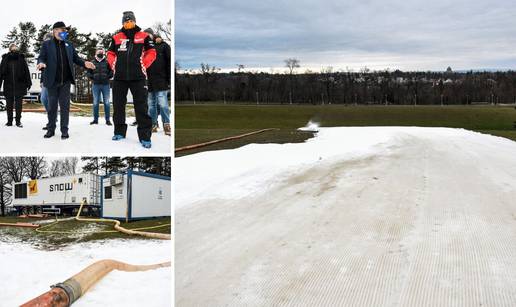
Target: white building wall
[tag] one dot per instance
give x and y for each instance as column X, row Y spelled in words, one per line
column 150, row 197
column 116, row 207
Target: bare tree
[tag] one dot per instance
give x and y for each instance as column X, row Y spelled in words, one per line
column 63, row 167
column 5, row 187
column 55, row 168
column 36, row 167
column 15, row 167
column 177, row 67
column 207, row 69
column 164, row 29
column 12, row 169
column 292, row 64
column 70, row 165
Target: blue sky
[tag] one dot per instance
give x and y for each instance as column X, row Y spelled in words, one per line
column 407, row 35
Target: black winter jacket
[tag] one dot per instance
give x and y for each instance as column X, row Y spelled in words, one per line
column 15, row 75
column 102, row 73
column 159, row 73
column 130, row 54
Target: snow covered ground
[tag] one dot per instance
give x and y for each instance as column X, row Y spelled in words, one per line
column 27, row 272
column 84, row 138
column 370, row 216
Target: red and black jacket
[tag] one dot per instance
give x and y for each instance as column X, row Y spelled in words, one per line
column 130, row 54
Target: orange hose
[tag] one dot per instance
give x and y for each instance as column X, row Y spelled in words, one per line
column 56, row 297
column 66, row 293
column 29, row 225
column 190, row 147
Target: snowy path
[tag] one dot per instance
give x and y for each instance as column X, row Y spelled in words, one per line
column 84, row 138
column 415, row 217
column 27, row 272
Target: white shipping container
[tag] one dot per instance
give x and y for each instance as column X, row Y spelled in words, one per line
column 135, row 195
column 57, row 191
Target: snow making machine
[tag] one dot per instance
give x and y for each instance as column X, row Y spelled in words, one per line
column 57, row 195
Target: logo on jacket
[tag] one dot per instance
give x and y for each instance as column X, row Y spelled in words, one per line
column 123, row 45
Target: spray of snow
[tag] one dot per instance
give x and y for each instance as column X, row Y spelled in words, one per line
column 311, row 126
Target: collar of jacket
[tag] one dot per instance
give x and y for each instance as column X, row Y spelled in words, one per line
column 13, row 55
column 131, row 32
column 58, row 42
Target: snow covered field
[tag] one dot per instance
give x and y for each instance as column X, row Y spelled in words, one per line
column 84, row 138
column 371, row 216
column 27, row 272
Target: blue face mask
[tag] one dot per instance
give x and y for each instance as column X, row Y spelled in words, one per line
column 63, row 35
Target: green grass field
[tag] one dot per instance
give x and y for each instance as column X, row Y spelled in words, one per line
column 69, row 232
column 201, row 123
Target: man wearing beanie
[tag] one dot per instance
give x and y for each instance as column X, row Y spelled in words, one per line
column 56, row 59
column 130, row 54
column 15, row 75
column 159, row 76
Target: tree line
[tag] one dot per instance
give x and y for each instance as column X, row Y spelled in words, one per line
column 16, row 169
column 105, row 165
column 344, row 87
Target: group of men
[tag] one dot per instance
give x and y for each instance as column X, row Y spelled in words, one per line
column 136, row 60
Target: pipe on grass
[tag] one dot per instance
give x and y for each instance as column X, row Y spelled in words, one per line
column 154, row 235
column 19, row 224
column 66, row 293
column 195, row 146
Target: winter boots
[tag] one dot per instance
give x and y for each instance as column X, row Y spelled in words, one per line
column 166, row 128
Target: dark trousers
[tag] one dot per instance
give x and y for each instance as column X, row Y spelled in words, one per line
column 139, row 92
column 14, row 102
column 59, row 95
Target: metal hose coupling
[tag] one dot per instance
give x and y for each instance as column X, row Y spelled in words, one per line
column 72, row 288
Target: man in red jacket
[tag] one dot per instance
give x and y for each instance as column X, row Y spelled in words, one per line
column 130, row 54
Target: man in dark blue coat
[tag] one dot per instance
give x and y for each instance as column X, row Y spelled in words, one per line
column 56, row 59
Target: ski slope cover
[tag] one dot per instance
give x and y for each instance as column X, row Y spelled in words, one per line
column 369, row 216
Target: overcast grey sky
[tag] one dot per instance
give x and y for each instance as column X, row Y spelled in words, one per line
column 94, row 16
column 409, row 35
